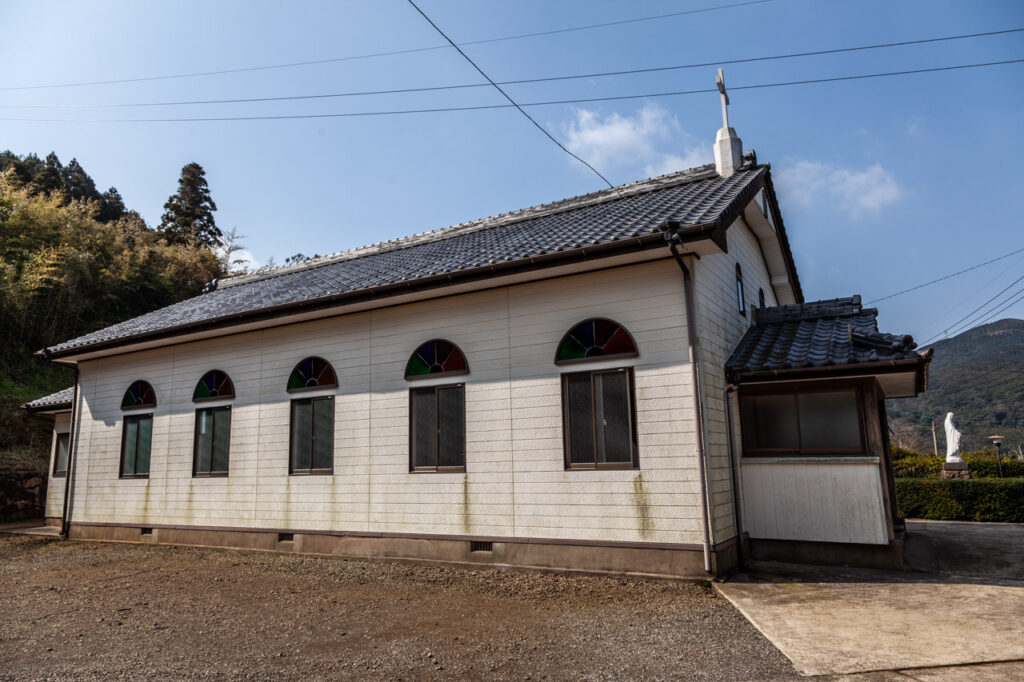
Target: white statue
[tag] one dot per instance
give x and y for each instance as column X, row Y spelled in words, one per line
column 952, row 440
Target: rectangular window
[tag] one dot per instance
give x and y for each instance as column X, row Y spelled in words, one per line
column 807, row 422
column 598, row 410
column 211, row 444
column 437, row 428
column 60, row 459
column 312, row 436
column 136, row 441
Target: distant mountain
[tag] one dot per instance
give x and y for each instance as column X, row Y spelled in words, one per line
column 979, row 377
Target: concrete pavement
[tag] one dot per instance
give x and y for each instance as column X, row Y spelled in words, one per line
column 968, row 608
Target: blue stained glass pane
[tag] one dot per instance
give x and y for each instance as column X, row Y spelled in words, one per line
column 429, row 352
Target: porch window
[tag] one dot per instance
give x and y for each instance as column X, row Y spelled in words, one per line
column 437, row 428
column 598, row 410
column 818, row 421
column 211, row 445
column 60, row 458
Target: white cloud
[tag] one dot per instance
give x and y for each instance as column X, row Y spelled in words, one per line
column 650, row 141
column 857, row 191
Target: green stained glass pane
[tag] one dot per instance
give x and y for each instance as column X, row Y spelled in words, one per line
column 416, row 367
column 571, row 349
column 201, row 391
column 296, row 380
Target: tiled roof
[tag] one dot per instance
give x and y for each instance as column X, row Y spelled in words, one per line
column 629, row 216
column 819, row 334
column 60, row 399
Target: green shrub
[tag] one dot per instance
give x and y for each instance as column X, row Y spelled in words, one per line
column 978, row 499
column 984, row 465
column 918, row 466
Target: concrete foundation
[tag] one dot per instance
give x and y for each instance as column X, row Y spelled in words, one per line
column 888, row 556
column 661, row 560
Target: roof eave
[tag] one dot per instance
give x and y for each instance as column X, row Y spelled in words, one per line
column 919, row 365
column 644, row 242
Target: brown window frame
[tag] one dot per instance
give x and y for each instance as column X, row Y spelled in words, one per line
column 195, row 443
column 437, row 468
column 61, row 473
column 634, row 462
column 803, row 389
column 292, row 471
column 124, row 442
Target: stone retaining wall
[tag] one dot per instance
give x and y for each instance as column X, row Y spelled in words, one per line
column 22, row 491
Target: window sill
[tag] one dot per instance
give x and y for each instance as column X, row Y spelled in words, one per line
column 314, row 472
column 440, row 470
column 809, row 459
column 215, row 474
column 602, row 467
column 130, row 477
column 59, row 474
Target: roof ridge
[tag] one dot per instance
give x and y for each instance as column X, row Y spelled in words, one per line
column 500, row 220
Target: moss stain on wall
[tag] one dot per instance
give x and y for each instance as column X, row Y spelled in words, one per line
column 642, row 502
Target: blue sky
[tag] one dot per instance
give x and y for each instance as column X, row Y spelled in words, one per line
column 884, row 183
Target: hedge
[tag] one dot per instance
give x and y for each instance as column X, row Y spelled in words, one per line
column 977, row 499
column 983, row 464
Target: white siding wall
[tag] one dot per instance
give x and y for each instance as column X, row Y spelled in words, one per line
column 515, row 484
column 55, row 486
column 720, row 329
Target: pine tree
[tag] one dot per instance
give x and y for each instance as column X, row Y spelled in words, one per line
column 188, row 214
column 49, row 179
column 111, row 206
column 78, row 183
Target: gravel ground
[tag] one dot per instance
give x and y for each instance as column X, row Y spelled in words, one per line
column 92, row 610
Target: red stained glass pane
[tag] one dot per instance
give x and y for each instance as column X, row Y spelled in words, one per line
column 595, row 338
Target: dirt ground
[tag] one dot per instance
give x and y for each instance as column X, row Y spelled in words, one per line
column 93, row 610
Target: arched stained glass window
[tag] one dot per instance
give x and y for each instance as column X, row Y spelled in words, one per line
column 594, row 339
column 313, row 372
column 139, row 394
column 436, row 358
column 213, row 385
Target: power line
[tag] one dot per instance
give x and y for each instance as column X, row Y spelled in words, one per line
column 942, row 279
column 949, row 310
column 521, row 81
column 390, row 53
column 506, row 96
column 582, row 100
column 974, row 312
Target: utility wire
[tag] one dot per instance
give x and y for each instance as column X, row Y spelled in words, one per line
column 942, row 279
column 521, row 81
column 509, row 98
column 383, row 54
column 950, row 310
column 582, row 100
column 976, row 311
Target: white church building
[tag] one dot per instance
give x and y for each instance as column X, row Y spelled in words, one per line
column 625, row 381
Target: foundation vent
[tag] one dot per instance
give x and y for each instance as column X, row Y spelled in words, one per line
column 475, row 546
column 285, row 537
column 146, row 531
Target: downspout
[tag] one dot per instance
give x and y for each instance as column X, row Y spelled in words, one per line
column 65, row 524
column 691, row 341
column 734, row 470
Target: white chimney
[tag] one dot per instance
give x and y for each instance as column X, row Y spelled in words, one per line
column 728, row 146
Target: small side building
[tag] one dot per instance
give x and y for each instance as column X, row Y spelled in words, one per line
column 57, row 405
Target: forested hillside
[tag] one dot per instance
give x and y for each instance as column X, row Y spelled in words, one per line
column 73, row 259
column 979, row 377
